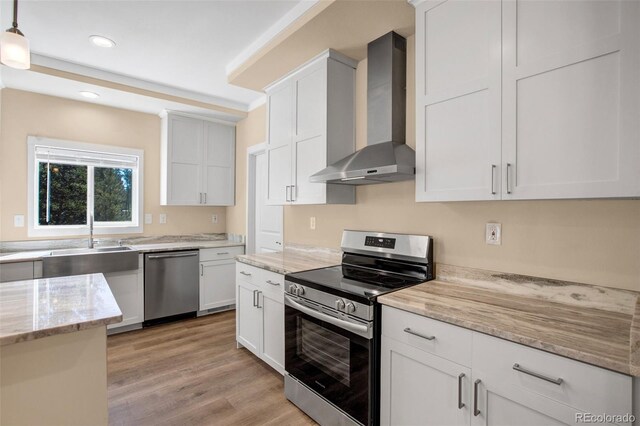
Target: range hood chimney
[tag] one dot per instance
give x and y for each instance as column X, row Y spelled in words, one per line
column 386, row 158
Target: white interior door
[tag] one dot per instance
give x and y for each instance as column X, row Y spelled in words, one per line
column 268, row 218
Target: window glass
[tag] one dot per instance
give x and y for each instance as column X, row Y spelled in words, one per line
column 62, row 194
column 112, row 194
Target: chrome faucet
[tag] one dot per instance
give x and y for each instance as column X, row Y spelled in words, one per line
column 90, row 231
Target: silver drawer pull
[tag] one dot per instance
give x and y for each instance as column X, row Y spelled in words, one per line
column 224, row 252
column 408, row 330
column 557, row 381
column 246, row 274
column 460, row 403
column 476, row 411
column 272, row 283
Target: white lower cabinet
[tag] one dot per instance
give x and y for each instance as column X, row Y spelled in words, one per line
column 128, row 290
column 218, row 277
column 260, row 313
column 422, row 389
column 504, row 383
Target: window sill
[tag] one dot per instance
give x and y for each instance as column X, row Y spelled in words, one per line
column 82, row 231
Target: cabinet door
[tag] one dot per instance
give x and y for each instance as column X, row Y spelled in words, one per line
column 418, row 388
column 570, row 99
column 309, row 153
column 458, row 96
column 185, row 160
column 502, row 404
column 217, row 284
column 248, row 317
column 219, row 163
column 272, row 348
column 280, row 104
column 128, row 290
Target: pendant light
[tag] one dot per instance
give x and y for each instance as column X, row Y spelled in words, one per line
column 14, row 46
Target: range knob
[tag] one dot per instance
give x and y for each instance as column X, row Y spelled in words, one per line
column 299, row 290
column 350, row 308
column 293, row 289
column 340, row 304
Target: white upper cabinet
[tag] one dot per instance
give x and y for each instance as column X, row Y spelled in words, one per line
column 458, row 100
column 571, row 99
column 198, row 162
column 310, row 125
column 527, row 99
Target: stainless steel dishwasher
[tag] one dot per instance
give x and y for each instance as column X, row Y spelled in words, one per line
column 171, row 285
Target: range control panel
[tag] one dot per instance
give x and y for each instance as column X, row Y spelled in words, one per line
column 388, row 243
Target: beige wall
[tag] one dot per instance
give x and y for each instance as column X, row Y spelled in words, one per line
column 25, row 113
column 250, row 131
column 587, row 241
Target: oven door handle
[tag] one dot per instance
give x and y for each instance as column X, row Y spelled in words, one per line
column 359, row 329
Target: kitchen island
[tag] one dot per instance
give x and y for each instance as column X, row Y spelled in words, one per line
column 53, row 365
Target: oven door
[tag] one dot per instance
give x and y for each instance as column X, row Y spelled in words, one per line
column 330, row 355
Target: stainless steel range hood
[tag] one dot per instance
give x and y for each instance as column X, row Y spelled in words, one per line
column 386, row 158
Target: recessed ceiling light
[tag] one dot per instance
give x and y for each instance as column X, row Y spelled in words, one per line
column 101, row 41
column 88, row 94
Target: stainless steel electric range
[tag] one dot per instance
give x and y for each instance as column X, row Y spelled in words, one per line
column 332, row 324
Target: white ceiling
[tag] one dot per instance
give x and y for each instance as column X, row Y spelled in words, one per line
column 175, row 43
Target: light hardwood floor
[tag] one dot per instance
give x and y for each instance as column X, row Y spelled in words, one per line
column 190, row 373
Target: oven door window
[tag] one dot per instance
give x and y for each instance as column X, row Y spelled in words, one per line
column 330, row 360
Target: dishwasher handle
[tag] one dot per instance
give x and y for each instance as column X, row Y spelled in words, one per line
column 168, row 256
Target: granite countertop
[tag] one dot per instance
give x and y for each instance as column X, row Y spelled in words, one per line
column 593, row 324
column 294, row 258
column 34, row 309
column 35, row 250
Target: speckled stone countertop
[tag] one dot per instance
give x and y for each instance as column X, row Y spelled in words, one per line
column 593, row 324
column 293, row 258
column 26, row 251
column 34, row 309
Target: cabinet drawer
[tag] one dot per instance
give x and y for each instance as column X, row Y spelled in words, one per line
column 220, row 253
column 272, row 282
column 585, row 387
column 249, row 274
column 449, row 341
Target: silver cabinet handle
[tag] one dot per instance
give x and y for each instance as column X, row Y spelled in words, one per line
column 294, row 193
column 246, row 274
column 476, row 412
column 278, row 243
column 168, row 256
column 557, row 381
column 254, row 298
column 460, row 403
column 223, row 252
column 286, row 193
column 200, row 202
column 201, row 270
column 493, row 174
column 258, row 299
column 408, row 330
column 205, row 198
column 272, row 283
column 508, row 172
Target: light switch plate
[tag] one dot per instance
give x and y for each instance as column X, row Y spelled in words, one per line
column 214, row 218
column 163, row 218
column 148, row 218
column 312, row 223
column 493, row 234
column 18, row 221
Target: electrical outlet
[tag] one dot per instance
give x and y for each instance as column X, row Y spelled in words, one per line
column 163, row 218
column 148, row 218
column 214, row 218
column 493, row 234
column 18, row 221
column 312, row 223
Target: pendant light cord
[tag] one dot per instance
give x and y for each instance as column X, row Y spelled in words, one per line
column 15, row 14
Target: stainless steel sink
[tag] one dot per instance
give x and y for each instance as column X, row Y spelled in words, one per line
column 89, row 261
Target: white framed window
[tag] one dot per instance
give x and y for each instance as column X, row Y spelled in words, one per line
column 69, row 182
